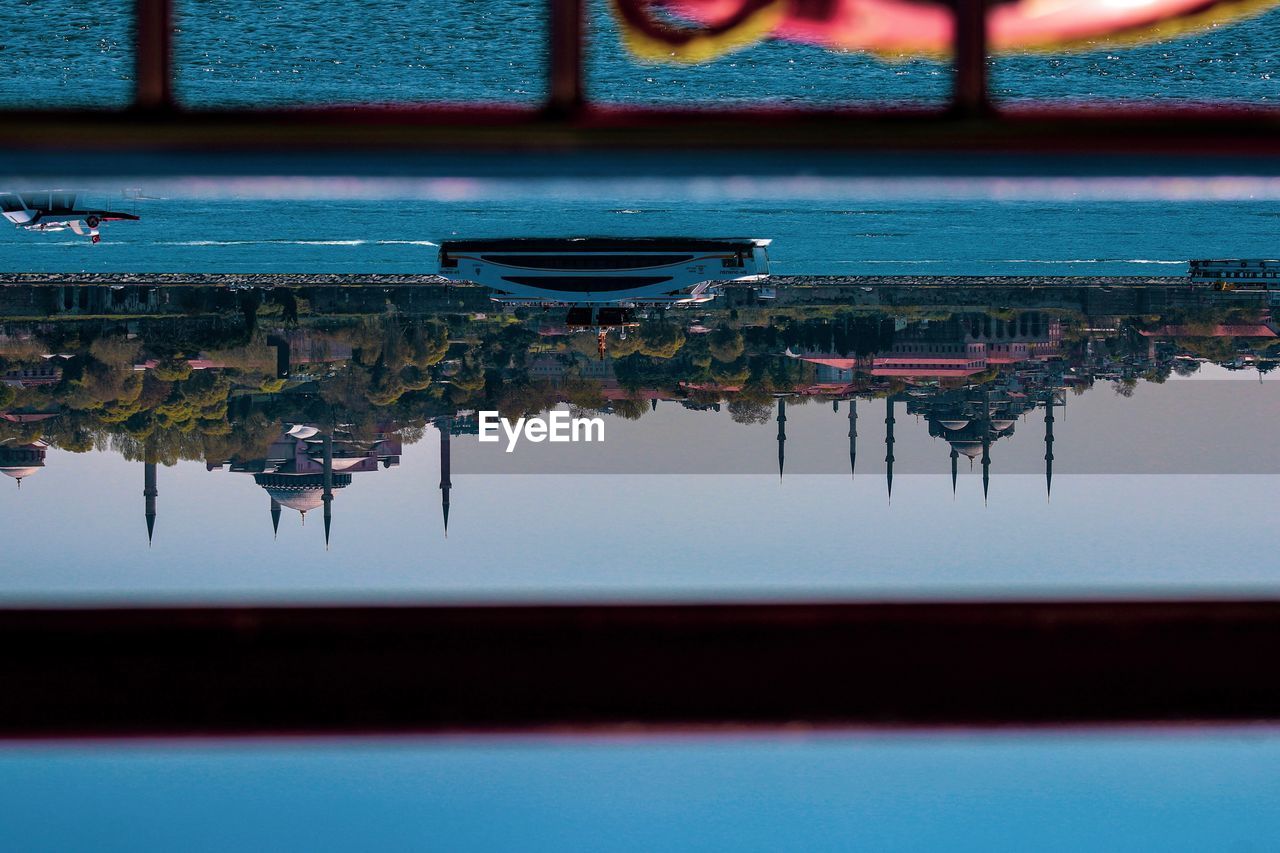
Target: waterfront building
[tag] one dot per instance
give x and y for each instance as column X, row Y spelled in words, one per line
column 46, row 372
column 957, row 348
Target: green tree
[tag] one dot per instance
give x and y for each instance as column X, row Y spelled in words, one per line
column 725, row 344
column 661, row 340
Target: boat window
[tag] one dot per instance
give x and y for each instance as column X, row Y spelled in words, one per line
column 62, row 201
column 581, row 284
column 586, row 262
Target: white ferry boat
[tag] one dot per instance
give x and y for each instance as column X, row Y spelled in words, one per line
column 1237, row 273
column 604, row 269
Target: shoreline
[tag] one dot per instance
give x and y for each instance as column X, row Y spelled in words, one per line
column 432, row 280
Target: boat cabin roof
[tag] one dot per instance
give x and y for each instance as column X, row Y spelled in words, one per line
column 52, row 201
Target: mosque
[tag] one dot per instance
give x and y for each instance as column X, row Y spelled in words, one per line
column 304, row 468
column 22, row 460
column 970, row 419
column 1026, row 347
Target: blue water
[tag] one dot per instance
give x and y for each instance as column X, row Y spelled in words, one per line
column 1238, row 62
column 64, row 53
column 246, row 52
column 1203, row 791
column 811, row 237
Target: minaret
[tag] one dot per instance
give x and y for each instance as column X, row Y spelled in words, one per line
column 853, row 436
column 986, row 443
column 888, row 445
column 1048, row 446
column 275, row 517
column 955, row 456
column 446, row 429
column 150, row 493
column 782, row 434
column 328, row 484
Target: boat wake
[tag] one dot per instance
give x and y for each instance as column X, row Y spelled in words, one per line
column 296, row 243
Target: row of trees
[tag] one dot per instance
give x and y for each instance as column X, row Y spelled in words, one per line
column 402, row 369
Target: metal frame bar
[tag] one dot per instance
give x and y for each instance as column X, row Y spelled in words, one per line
column 432, row 670
column 630, row 143
column 153, row 55
column 970, row 97
column 566, row 46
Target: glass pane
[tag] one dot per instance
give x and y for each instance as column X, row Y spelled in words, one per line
column 247, row 53
column 770, row 71
column 183, row 418
column 1236, row 62
column 64, row 53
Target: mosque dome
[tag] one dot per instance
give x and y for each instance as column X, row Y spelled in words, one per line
column 301, row 492
column 1003, row 424
column 299, row 499
column 954, row 424
column 22, row 461
column 972, row 449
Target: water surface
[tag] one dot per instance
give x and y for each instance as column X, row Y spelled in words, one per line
column 812, row 235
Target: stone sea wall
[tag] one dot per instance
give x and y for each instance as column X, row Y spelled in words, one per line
column 401, row 280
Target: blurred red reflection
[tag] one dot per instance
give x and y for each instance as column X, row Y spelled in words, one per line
column 657, row 29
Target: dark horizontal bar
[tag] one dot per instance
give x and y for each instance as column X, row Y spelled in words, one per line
column 353, row 670
column 636, row 142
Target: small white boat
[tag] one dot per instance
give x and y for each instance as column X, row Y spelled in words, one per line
column 56, row 210
column 604, row 269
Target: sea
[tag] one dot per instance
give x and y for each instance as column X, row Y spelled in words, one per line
column 850, row 236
